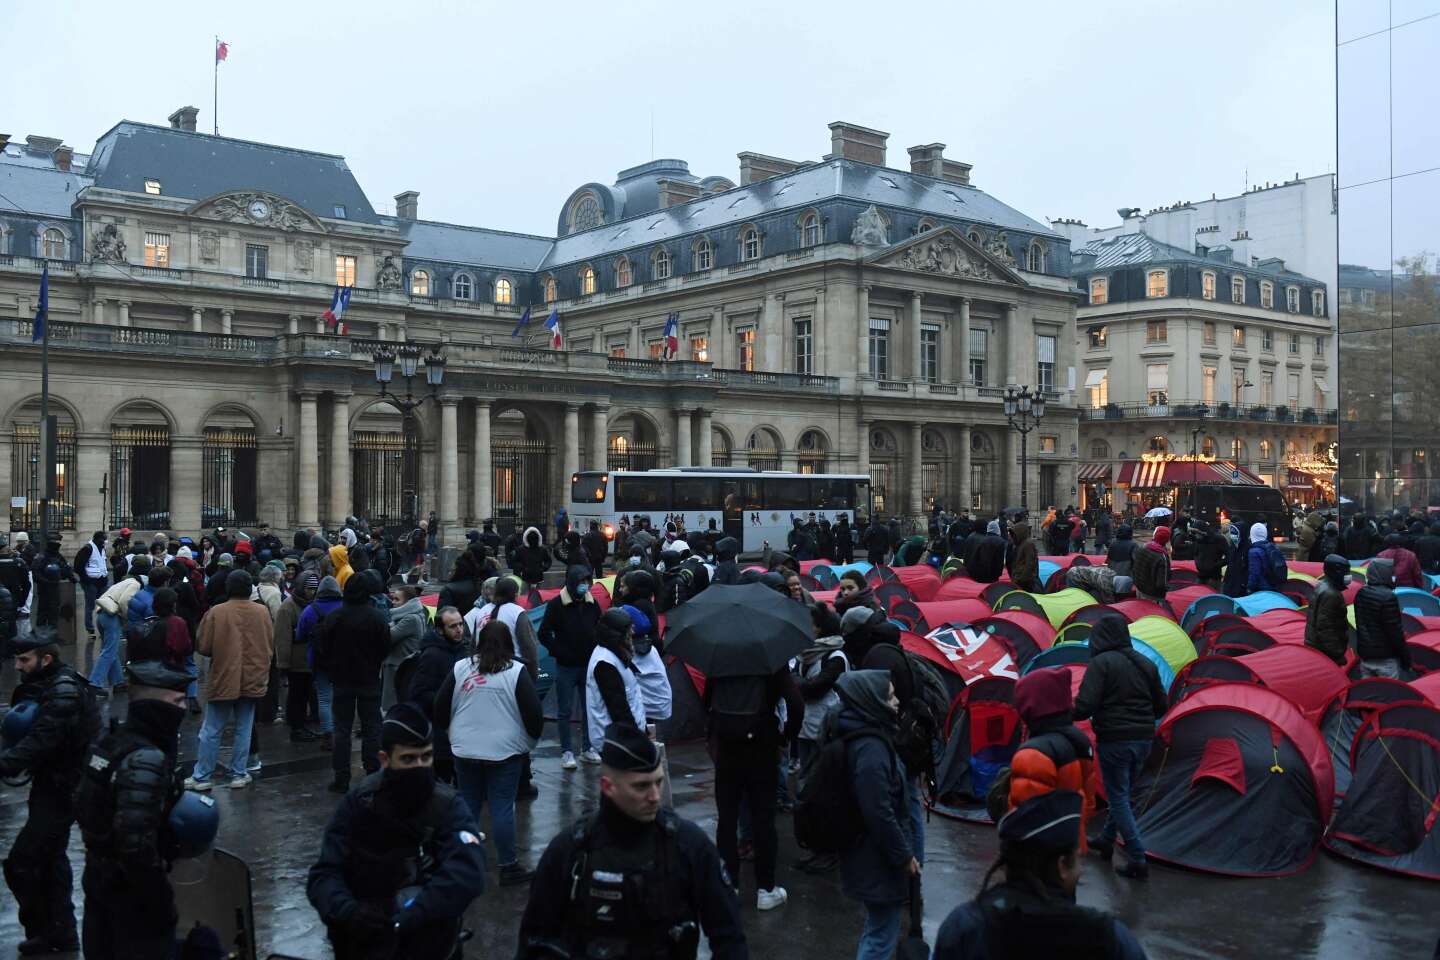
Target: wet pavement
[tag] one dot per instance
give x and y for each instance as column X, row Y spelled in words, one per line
column 1333, row 910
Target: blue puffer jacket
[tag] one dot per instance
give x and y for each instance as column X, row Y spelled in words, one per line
column 141, row 606
column 873, row 869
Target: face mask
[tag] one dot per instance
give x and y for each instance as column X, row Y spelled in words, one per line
column 409, row 788
column 634, row 561
column 581, row 589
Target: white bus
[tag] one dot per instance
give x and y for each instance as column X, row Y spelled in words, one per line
column 750, row 505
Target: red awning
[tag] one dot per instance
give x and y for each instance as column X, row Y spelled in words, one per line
column 1090, row 472
column 1158, row 474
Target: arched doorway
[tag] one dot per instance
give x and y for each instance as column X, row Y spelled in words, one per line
column 140, row 468
column 984, row 479
column 934, row 475
column 763, row 448
column 230, row 471
column 520, row 460
column 633, row 444
column 884, row 469
column 26, row 472
column 813, row 452
column 720, row 447
column 385, row 467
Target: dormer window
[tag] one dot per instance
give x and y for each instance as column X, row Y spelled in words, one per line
column 1099, row 291
column 1035, row 258
column 152, row 187
column 1157, row 283
column 587, row 281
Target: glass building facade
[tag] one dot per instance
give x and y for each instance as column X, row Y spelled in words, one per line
column 1387, row 63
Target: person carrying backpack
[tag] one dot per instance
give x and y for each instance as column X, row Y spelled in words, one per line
column 1267, row 569
column 1056, row 754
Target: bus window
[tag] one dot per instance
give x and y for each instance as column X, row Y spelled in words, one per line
column 696, row 493
column 787, row 494
column 638, row 494
column 740, row 494
column 863, row 506
column 834, row 494
column 589, row 487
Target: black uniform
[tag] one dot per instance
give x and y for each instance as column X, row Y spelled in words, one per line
column 372, row 851
column 1013, row 920
column 674, row 886
column 126, row 793
column 15, row 577
column 53, row 752
column 50, row 570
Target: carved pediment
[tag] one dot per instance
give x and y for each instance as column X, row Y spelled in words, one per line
column 258, row 209
column 946, row 253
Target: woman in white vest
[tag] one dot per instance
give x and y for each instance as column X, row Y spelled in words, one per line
column 654, row 681
column 504, row 609
column 612, row 680
column 489, row 707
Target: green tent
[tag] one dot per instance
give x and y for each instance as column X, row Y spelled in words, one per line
column 1166, row 638
column 1055, row 607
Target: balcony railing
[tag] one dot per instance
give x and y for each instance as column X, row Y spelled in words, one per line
column 1230, row 412
column 106, row 339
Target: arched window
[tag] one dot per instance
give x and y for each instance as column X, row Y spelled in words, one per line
column 504, row 292
column 622, row 272
column 1207, row 447
column 1035, row 258
column 1099, row 450
column 587, row 280
column 1292, row 450
column 660, row 265
column 1157, row 445
column 52, row 244
column 974, row 237
column 464, row 287
column 812, row 449
column 1267, row 449
column 702, row 256
column 1267, row 294
column 1157, row 283
column 1239, row 452
column 764, row 450
column 1207, row 285
column 551, row 294
column 809, row 230
column 585, row 214
column 750, row 244
column 925, row 225
column 420, row 283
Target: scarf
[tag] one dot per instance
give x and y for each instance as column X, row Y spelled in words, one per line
column 864, row 597
column 823, row 647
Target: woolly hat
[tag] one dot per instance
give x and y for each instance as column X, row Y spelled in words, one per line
column 854, row 619
column 1162, row 535
column 1043, row 693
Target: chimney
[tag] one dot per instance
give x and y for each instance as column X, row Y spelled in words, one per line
column 407, row 205
column 673, row 192
column 850, row 141
column 184, row 118
column 64, row 156
column 929, row 159
column 38, row 144
column 755, row 167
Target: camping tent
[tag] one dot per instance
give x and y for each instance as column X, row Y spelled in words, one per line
column 940, row 612
column 1024, row 633
column 1264, row 600
column 1079, row 653
column 1419, row 602
column 1055, row 607
column 1351, row 708
column 1165, row 637
column 963, row 588
column 1136, row 607
column 1388, row 818
column 1243, row 785
column 922, row 580
column 1180, row 600
column 981, row 734
column 1303, row 675
column 1425, row 651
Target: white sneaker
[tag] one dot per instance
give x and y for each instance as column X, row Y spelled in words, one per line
column 589, row 756
column 254, row 765
column 240, row 783
column 770, row 899
column 199, row 786
column 567, row 761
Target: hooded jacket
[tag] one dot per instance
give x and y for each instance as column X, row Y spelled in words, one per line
column 1211, row 550
column 1024, row 560
column 326, row 601
column 727, row 570
column 1150, row 569
column 437, row 660
column 532, row 559
column 1427, row 550
column 567, row 628
column 1258, row 558
column 1056, row 755
column 873, row 868
column 1121, row 693
column 1308, row 535
column 290, row 655
column 1379, row 632
column 340, row 563
column 1326, row 627
column 408, row 624
column 984, row 558
column 351, row 642
column 1122, row 551
column 1407, row 565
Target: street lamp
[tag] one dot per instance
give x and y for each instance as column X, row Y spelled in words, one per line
column 408, row 356
column 1024, row 410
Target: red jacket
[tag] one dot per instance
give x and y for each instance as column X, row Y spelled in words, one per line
column 1407, row 567
column 1061, row 759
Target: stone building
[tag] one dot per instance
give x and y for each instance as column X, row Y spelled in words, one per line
column 834, row 314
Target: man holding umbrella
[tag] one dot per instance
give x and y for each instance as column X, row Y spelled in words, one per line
column 742, row 638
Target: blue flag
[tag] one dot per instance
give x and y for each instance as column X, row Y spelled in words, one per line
column 42, row 312
column 524, row 319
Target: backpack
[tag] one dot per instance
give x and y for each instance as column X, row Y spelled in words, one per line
column 1276, row 572
column 922, row 720
column 739, row 707
column 827, row 816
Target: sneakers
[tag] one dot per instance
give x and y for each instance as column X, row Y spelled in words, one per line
column 254, row 765
column 567, row 761
column 589, row 756
column 770, row 899
column 1133, row 869
column 512, row 874
column 241, row 782
column 199, row 786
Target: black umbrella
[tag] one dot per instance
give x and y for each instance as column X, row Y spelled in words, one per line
column 741, row 630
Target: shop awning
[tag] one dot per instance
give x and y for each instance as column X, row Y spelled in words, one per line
column 1157, row 474
column 1096, row 377
column 1091, row 472
column 1304, row 479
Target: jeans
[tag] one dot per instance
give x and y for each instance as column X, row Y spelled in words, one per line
column 348, row 702
column 192, row 689
column 569, row 690
column 747, row 770
column 218, row 715
column 107, row 672
column 92, row 589
column 1120, row 763
column 882, row 931
column 917, row 817
column 324, row 692
column 495, row 783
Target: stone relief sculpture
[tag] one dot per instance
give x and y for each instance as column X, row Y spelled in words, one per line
column 304, row 256
column 107, row 244
column 388, row 275
column 870, row 229
column 998, row 247
column 262, row 209
column 210, row 246
column 943, row 255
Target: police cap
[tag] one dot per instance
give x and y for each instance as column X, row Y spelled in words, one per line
column 628, row 749
column 43, row 635
column 1050, row 821
column 158, row 674
column 405, row 725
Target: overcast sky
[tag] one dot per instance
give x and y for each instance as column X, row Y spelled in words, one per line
column 496, row 112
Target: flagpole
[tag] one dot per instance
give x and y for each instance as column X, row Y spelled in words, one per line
column 46, row 463
column 215, row 105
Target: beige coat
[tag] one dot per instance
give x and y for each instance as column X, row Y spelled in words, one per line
column 290, row 655
column 237, row 636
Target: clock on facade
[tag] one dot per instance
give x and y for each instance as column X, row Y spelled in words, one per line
column 259, row 209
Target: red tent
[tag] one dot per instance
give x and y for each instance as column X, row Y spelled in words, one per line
column 1186, row 565
column 961, row 588
column 940, row 612
column 1069, row 560
column 1355, row 705
column 922, row 579
column 1425, row 651
column 1180, row 600
column 807, row 565
column 1304, row 675
column 1276, row 618
column 825, row 596
column 965, row 653
column 1025, row 633
column 1133, row 610
column 1428, row 687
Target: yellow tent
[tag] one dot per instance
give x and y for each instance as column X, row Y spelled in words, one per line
column 1166, row 637
column 1055, row 607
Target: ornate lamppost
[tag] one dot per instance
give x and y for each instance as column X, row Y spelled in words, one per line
column 408, row 356
column 1024, row 409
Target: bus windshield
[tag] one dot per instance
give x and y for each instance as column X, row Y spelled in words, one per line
column 589, row 487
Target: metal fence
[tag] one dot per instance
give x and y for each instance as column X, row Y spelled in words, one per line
column 140, row 477
column 633, row 456
column 523, row 493
column 386, row 481
column 230, row 479
column 25, row 477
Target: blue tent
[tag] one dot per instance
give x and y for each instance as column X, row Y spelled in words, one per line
column 1417, row 601
column 1063, row 653
column 1263, row 602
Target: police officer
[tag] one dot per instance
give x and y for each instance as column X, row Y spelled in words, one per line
column 52, row 751
column 51, row 573
column 127, row 793
column 14, row 577
column 634, row 880
column 402, row 858
column 1034, row 910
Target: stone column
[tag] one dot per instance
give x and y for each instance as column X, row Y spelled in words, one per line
column 97, row 311
column 862, row 452
column 707, row 440
column 963, row 374
column 484, row 476
column 449, row 466
column 186, row 470
column 772, row 334
column 862, row 321
column 6, row 446
column 382, row 331
column 600, row 437
column 917, row 507
column 123, row 306
column 197, row 319
column 597, row 341
column 294, row 323
column 340, row 499
column 634, row 349
column 227, row 318
column 319, row 325
column 962, row 463
column 92, row 464
column 1012, row 344
column 308, row 458
column 570, row 454
column 913, row 332
column 716, row 339
column 682, row 437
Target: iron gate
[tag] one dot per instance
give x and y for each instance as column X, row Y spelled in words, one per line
column 25, row 476
column 524, row 495
column 629, row 455
column 386, row 480
column 229, row 478
column 140, row 477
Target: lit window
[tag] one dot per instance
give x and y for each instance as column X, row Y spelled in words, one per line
column 52, row 244
column 622, row 272
column 661, row 265
column 745, row 342
column 344, row 271
column 1155, row 331
column 1238, row 451
column 1237, row 289
column 1157, row 445
column 1295, row 344
column 617, row 350
column 1208, row 332
column 1045, row 363
column 878, row 348
column 1207, row 285
column 700, row 349
column 504, row 292
column 1099, row 336
column 1267, row 294
column 1267, row 340
column 1098, row 383
column 1156, row 283
column 420, row 283
column 930, row 352
column 152, row 187
column 1207, row 447
column 1035, row 258
column 1208, row 376
column 1157, row 383
column 750, row 244
column 1267, row 387
column 463, row 287
column 656, row 349
column 1237, row 337
column 587, row 280
column 157, row 249
column 1266, row 449
column 704, row 256
column 585, row 214
column 1047, row 444
column 1099, row 291
column 809, row 230
column 257, row 261
column 978, row 339
column 551, row 294
column 805, row 345
column 1317, row 302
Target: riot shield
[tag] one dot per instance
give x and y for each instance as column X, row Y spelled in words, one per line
column 214, row 891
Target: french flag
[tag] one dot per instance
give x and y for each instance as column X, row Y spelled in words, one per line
column 672, row 336
column 552, row 323
column 336, row 311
